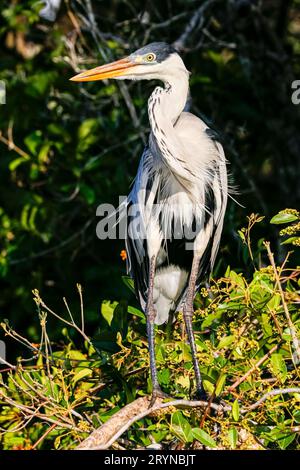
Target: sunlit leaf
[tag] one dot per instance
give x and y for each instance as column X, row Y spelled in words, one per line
column 205, row 439
column 236, row 410
column 283, row 218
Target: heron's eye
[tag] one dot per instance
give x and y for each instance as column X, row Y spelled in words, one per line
column 150, row 57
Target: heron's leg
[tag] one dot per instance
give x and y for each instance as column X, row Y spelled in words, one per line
column 150, row 316
column 188, row 312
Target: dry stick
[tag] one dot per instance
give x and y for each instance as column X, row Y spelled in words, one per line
column 11, row 366
column 73, row 325
column 109, row 432
column 12, row 146
column 53, row 426
column 31, row 412
column 292, row 328
column 79, row 288
column 253, row 368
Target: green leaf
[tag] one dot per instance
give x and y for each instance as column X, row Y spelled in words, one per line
column 203, row 437
column 208, row 386
column 225, row 341
column 283, row 218
column 88, row 193
column 14, row 164
column 237, row 279
column 211, row 318
column 267, row 327
column 81, row 374
column 106, row 341
column 220, row 384
column 274, row 302
column 227, row 272
column 136, row 312
column 286, row 441
column 33, row 141
column 236, row 410
column 76, row 355
column 107, row 310
column 181, row 427
column 291, row 240
column 287, row 335
column 242, row 236
column 87, row 127
column 232, row 437
column 296, row 416
column 278, row 366
column 119, row 322
column 129, row 283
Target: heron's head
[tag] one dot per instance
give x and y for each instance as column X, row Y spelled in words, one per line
column 157, row 60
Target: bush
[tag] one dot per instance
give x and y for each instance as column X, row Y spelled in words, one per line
column 246, row 335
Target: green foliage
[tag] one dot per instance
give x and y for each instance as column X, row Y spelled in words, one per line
column 65, row 148
column 292, row 231
column 247, row 359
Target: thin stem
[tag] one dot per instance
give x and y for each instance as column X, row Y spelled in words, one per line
column 253, row 368
column 292, row 328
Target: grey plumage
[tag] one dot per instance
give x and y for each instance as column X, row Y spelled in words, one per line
column 175, row 186
column 177, row 205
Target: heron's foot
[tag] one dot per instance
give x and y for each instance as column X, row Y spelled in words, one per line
column 157, row 393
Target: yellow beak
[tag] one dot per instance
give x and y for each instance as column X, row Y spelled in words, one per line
column 114, row 69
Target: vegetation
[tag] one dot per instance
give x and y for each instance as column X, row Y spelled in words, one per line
column 66, row 148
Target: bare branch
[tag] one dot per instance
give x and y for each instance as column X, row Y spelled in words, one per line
column 109, row 432
column 276, row 391
column 179, row 44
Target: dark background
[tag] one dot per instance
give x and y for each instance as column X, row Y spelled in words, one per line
column 65, row 147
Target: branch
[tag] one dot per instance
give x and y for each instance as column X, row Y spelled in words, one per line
column 276, row 391
column 179, row 44
column 105, row 436
column 109, row 432
column 12, row 146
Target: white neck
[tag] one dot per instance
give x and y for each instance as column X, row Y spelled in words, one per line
column 164, row 108
column 176, row 93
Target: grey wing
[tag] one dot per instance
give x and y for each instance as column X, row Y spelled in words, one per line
column 140, row 198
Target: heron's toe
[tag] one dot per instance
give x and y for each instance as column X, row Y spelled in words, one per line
column 157, row 393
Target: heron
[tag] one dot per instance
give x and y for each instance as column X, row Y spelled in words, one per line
column 178, row 200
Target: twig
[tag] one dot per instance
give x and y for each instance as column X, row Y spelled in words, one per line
column 31, row 412
column 292, row 328
column 12, row 146
column 276, row 391
column 3, row 361
column 253, row 368
column 79, row 288
column 72, row 324
column 53, row 426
